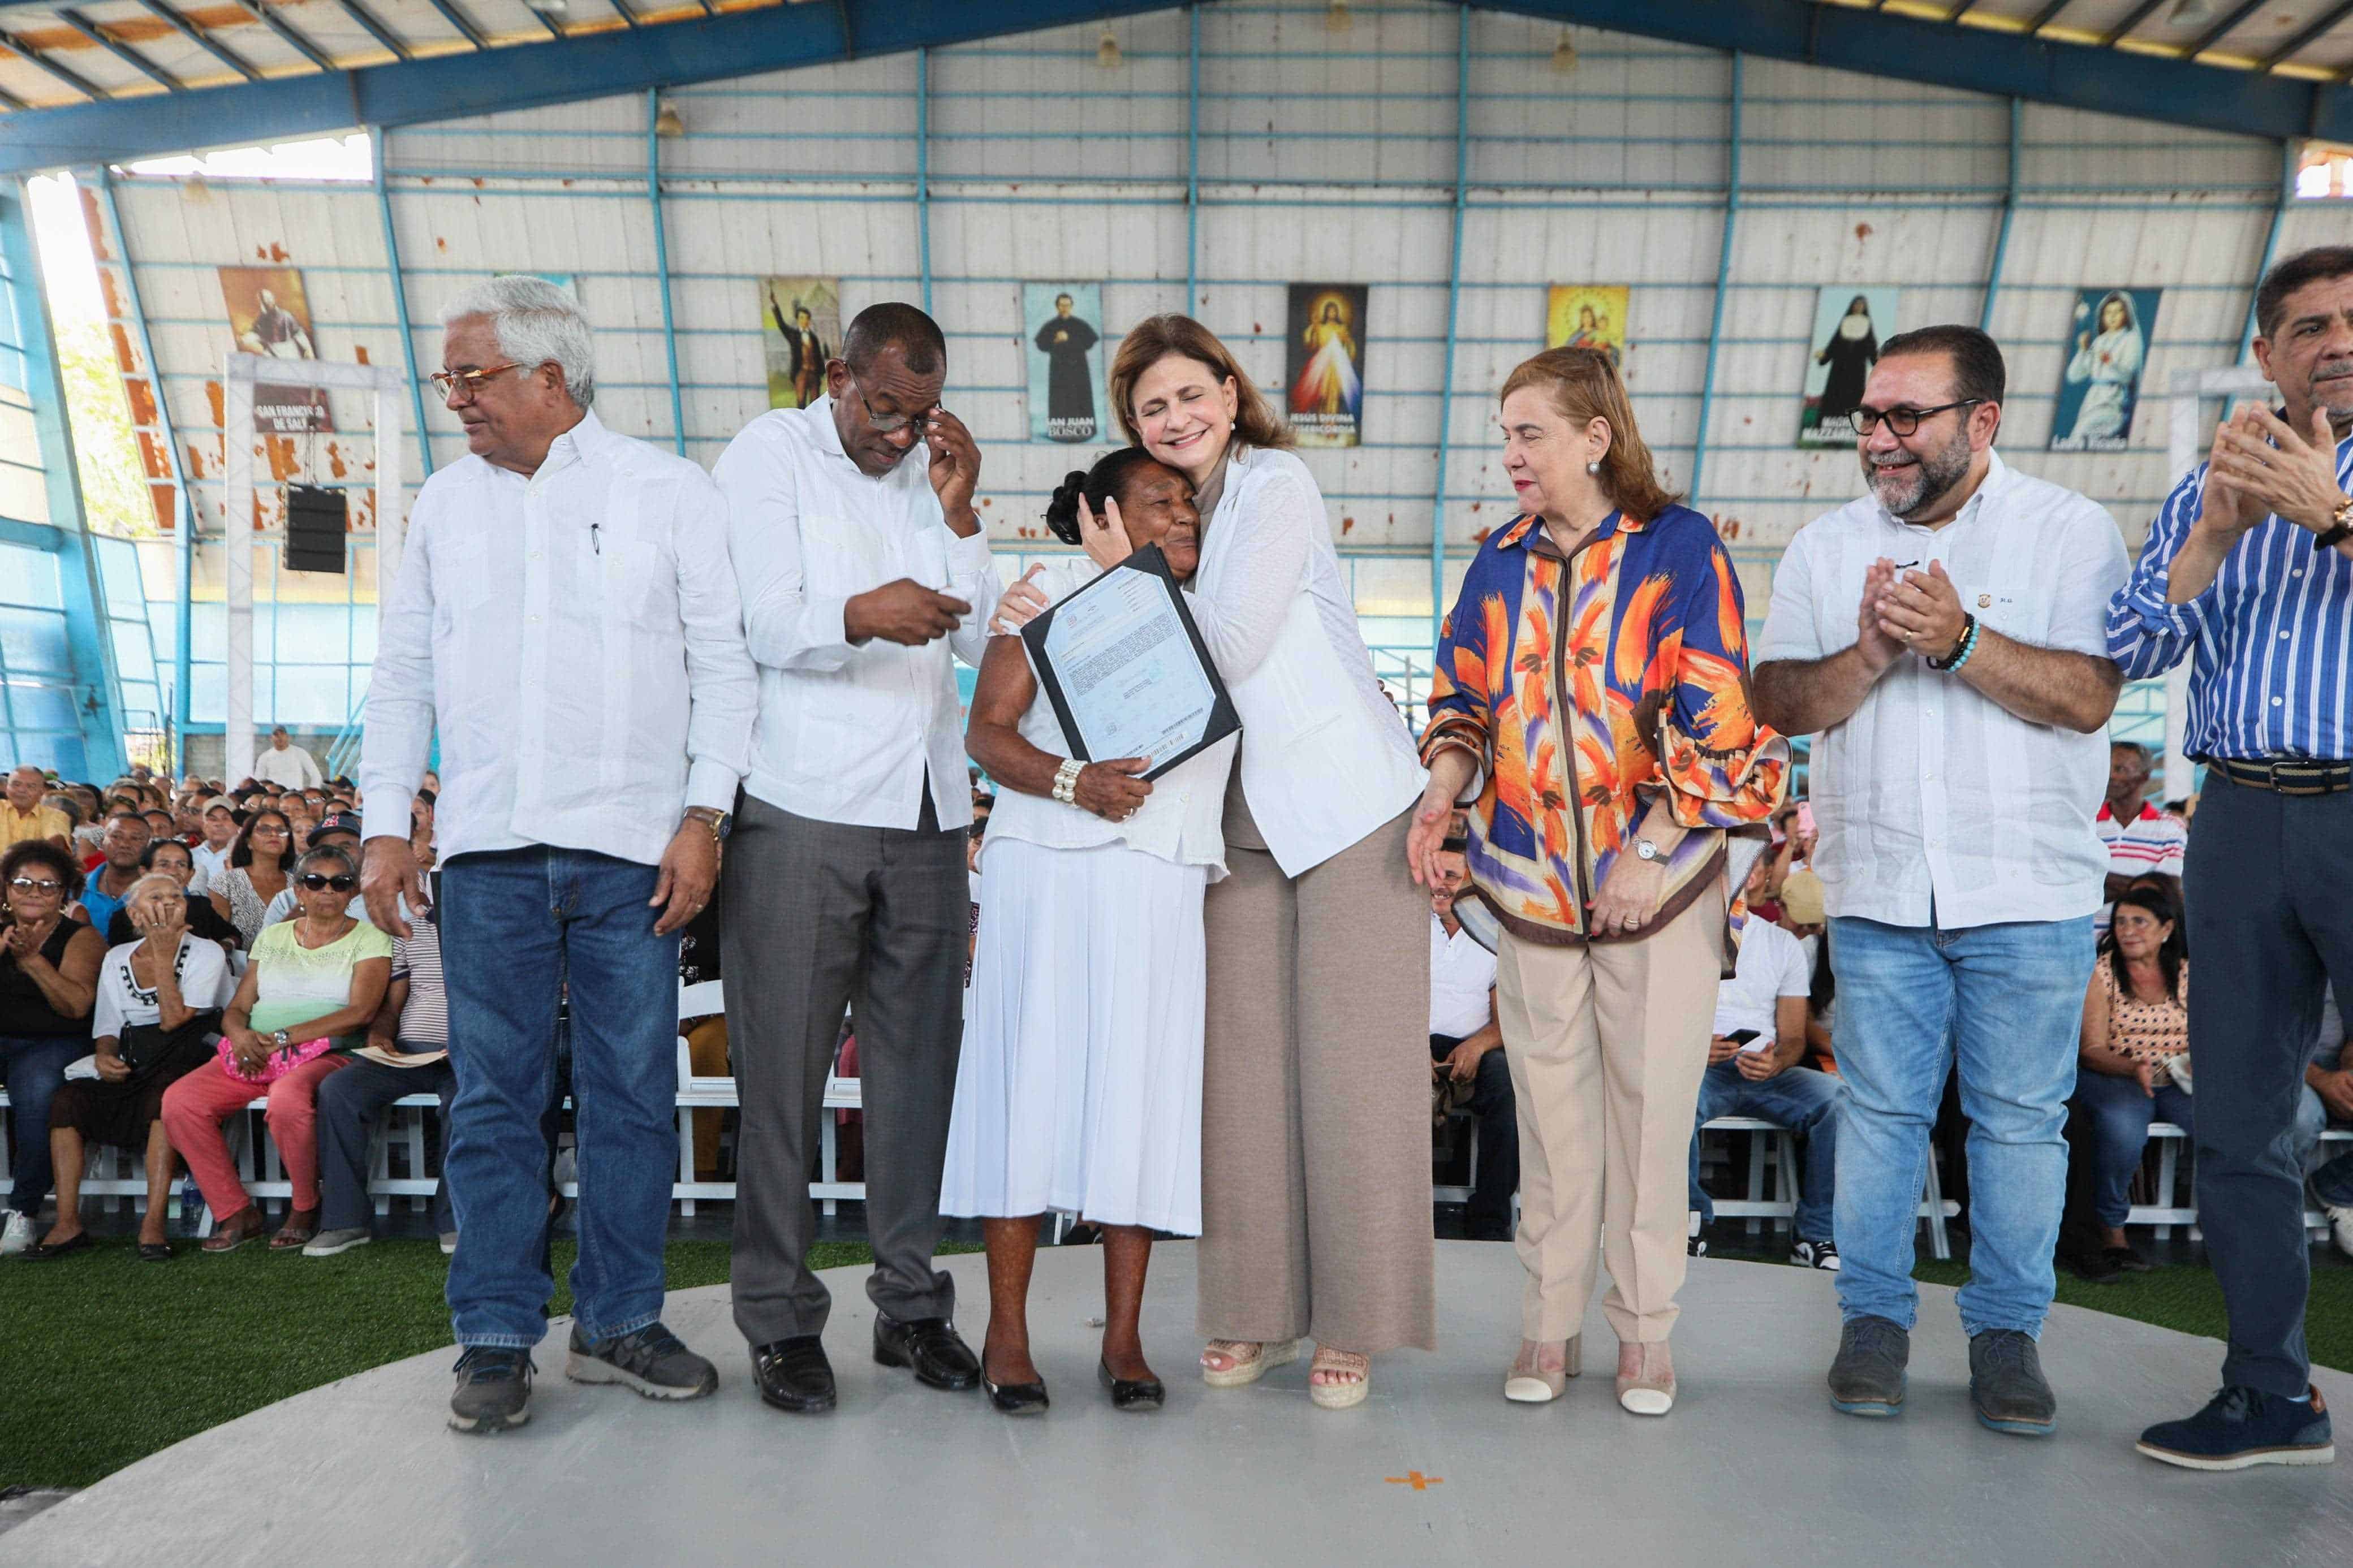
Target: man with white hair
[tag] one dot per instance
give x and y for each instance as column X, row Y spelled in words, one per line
column 566, row 614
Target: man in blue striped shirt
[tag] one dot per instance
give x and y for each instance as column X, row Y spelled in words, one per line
column 2249, row 572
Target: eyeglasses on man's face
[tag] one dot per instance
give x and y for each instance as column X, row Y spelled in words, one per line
column 1903, row 421
column 880, row 424
column 448, row 383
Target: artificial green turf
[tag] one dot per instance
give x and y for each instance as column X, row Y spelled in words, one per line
column 104, row 1360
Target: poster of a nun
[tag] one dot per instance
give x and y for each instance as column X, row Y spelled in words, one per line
column 2107, row 347
column 1325, row 365
column 1850, row 323
column 1063, row 323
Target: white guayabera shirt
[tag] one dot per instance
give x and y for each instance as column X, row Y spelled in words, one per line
column 577, row 638
column 1931, row 795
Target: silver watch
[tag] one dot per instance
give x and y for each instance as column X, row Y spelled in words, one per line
column 280, row 1039
column 1646, row 850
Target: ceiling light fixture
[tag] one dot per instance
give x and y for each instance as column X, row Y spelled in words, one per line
column 1107, row 53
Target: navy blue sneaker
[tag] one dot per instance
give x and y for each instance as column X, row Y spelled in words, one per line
column 2243, row 1426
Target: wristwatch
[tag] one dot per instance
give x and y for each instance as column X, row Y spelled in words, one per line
column 720, row 822
column 2341, row 526
column 1646, row 850
column 281, row 1040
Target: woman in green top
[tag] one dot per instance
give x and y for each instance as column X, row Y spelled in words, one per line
column 317, row 977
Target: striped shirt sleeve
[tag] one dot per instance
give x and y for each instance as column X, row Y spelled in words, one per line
column 2146, row 636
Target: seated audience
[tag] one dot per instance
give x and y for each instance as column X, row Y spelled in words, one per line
column 411, row 1035
column 27, row 815
column 1758, row 1040
column 1465, row 1053
column 2136, row 1041
column 127, row 837
column 156, row 1019
column 311, row 980
column 2143, row 842
column 170, row 857
column 257, row 866
column 48, row 973
column 341, row 832
column 220, row 823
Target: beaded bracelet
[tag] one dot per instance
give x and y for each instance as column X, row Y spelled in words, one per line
column 1066, row 780
column 1962, row 649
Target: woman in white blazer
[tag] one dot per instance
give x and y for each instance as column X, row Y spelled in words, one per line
column 1316, row 1101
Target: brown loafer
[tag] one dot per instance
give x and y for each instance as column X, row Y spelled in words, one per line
column 235, row 1231
column 301, row 1225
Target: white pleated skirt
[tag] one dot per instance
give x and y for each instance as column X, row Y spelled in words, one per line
column 1080, row 1085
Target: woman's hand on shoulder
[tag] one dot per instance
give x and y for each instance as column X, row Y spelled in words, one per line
column 1111, row 790
column 1019, row 605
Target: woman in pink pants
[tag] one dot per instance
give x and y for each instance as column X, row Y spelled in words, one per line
column 317, row 977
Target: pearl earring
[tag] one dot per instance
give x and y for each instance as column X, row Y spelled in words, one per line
column 1593, row 468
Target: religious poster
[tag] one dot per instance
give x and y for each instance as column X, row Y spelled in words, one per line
column 1850, row 323
column 800, row 329
column 1063, row 324
column 270, row 314
column 1587, row 316
column 1325, row 365
column 2107, row 344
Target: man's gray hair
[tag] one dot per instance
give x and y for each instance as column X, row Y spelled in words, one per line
column 536, row 323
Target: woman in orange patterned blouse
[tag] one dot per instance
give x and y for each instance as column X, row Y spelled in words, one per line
column 2136, row 1031
column 1591, row 708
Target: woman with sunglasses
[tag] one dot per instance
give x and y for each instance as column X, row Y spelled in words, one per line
column 159, row 999
column 48, row 973
column 258, row 871
column 313, row 980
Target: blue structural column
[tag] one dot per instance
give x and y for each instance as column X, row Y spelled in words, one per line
column 1453, row 321
column 97, row 696
column 2288, row 159
column 924, row 168
column 1723, row 285
column 379, row 155
column 2008, row 211
column 661, row 265
column 184, row 523
column 1193, row 161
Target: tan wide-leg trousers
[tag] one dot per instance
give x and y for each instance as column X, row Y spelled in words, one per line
column 1607, row 1046
column 1315, row 1218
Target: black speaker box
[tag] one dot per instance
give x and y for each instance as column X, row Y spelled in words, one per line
column 316, row 520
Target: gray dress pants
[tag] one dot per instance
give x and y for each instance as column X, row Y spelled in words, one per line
column 815, row 916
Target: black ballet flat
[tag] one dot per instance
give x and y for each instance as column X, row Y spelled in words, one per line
column 42, row 1252
column 1132, row 1393
column 1016, row 1398
column 155, row 1252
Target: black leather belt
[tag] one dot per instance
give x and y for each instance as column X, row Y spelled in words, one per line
column 2289, row 775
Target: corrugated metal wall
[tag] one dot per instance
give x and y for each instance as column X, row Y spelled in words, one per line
column 1321, row 156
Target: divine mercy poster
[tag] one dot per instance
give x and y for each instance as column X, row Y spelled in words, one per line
column 1324, row 363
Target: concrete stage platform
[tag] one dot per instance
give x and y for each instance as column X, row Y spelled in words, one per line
column 1752, row 1468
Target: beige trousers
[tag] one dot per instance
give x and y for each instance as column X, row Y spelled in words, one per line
column 1607, row 1046
column 1315, row 1218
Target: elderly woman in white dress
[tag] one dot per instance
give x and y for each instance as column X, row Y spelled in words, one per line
column 1079, row 1089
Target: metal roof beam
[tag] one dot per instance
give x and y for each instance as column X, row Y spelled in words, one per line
column 2132, row 19
column 204, row 40
column 373, row 28
column 458, row 19
column 123, row 52
column 2213, row 34
column 2287, row 50
column 622, row 10
column 72, row 79
column 287, row 35
column 2045, row 18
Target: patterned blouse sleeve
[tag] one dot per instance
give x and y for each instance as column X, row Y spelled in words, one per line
column 1723, row 768
column 1459, row 709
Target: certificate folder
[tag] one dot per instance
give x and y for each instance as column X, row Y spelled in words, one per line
column 1121, row 662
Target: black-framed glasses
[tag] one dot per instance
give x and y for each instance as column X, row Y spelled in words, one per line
column 1902, row 421
column 35, row 885
column 317, row 882
column 884, row 424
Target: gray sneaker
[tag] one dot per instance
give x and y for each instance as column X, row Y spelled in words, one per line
column 2007, row 1388
column 328, row 1243
column 1867, row 1378
column 493, row 1390
column 653, row 1361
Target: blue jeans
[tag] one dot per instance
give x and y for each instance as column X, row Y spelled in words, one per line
column 2117, row 1115
column 1806, row 1102
column 517, row 926
column 36, row 1067
column 2009, row 999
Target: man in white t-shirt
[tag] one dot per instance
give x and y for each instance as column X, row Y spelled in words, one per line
column 1464, row 1047
column 1759, row 1038
column 286, row 764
